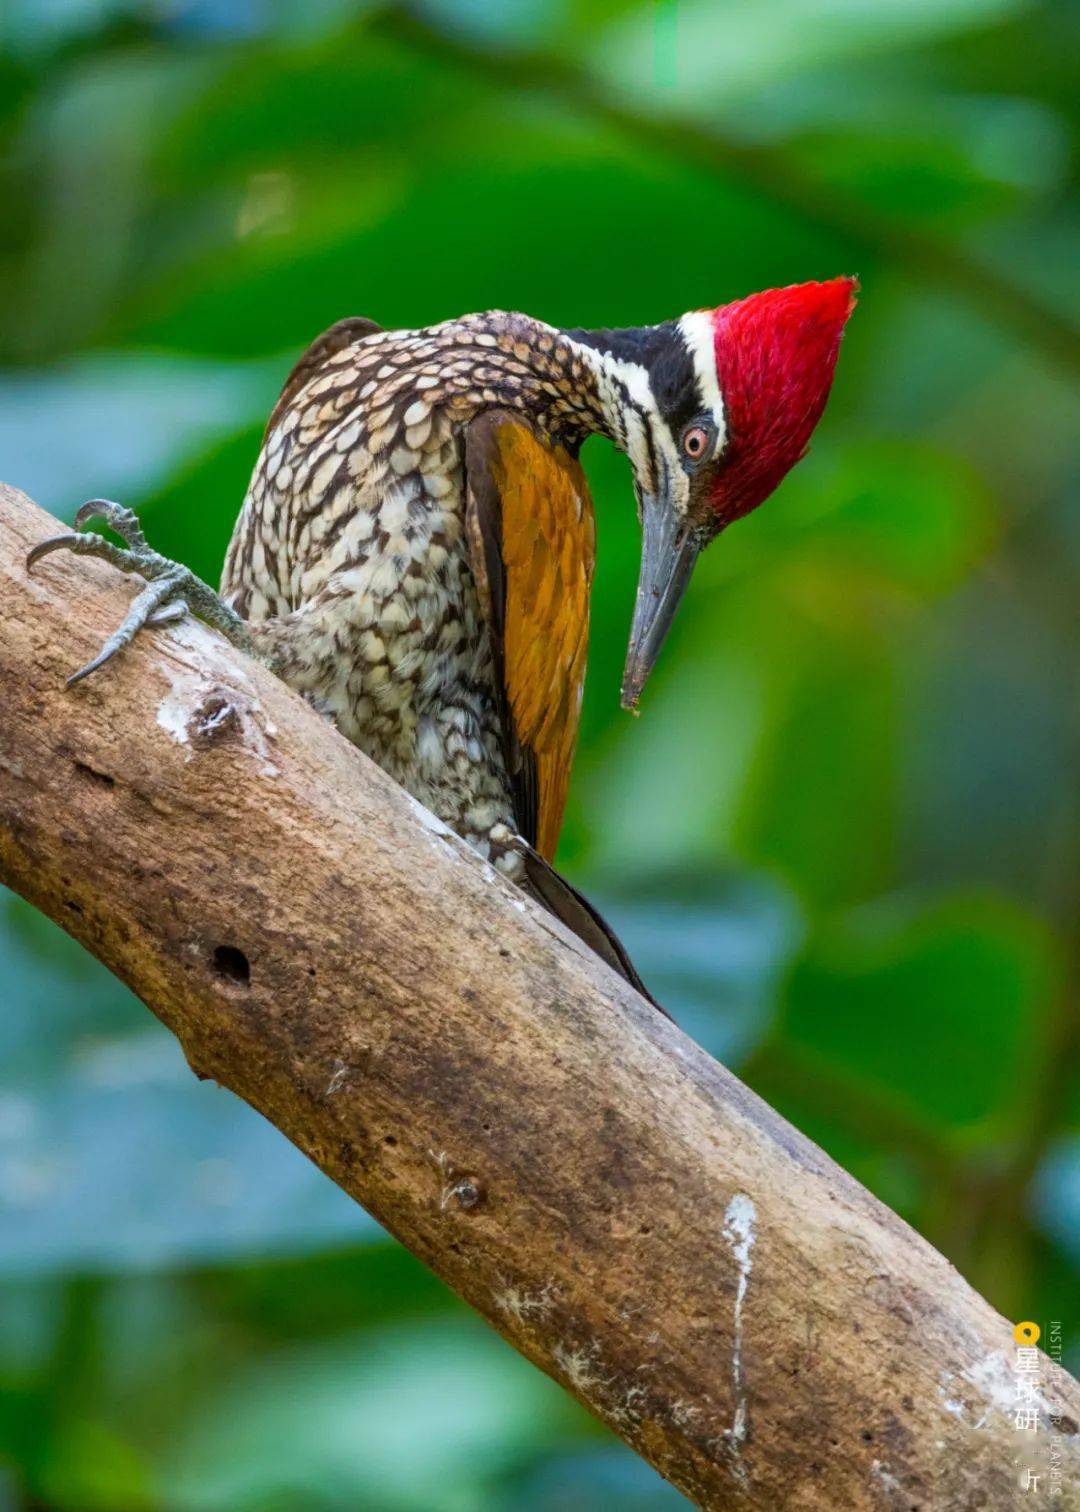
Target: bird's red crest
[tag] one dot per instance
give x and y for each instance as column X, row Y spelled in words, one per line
column 775, row 357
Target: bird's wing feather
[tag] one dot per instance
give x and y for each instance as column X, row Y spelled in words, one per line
column 335, row 338
column 563, row 900
column 532, row 541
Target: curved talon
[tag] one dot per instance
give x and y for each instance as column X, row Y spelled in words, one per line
column 91, row 666
column 118, row 517
column 153, row 597
column 43, row 548
column 91, row 543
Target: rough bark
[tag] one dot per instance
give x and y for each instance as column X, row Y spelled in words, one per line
column 630, row 1217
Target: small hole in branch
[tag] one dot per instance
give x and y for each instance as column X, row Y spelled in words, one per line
column 232, row 963
column 91, row 774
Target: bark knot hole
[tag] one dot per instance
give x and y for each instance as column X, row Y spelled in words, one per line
column 467, row 1192
column 91, row 774
column 233, row 964
column 216, row 717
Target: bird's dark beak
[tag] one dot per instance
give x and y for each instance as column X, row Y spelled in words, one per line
column 669, row 549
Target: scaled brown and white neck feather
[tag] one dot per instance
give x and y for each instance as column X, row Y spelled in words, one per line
column 517, row 363
column 568, row 386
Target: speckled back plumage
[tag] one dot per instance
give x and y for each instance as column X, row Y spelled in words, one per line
column 350, row 557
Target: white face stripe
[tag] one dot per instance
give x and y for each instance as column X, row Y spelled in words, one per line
column 629, row 404
column 623, row 390
column 659, row 465
column 615, row 372
column 697, row 332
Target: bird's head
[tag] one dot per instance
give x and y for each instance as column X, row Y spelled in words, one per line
column 713, row 410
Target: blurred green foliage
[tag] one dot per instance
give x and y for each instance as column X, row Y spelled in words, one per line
column 843, row 840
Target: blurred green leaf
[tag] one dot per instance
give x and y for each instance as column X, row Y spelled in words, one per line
column 586, row 1482
column 890, row 518
column 100, row 1472
column 191, row 516
column 1056, row 1196
column 944, row 1005
column 821, row 802
column 118, row 425
column 712, row 949
column 424, row 1420
column 731, row 51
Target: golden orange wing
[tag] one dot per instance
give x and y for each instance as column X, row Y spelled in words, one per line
column 532, row 539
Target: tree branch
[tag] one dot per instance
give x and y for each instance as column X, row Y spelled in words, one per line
column 628, row 1215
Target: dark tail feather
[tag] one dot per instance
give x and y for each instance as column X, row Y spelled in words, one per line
column 578, row 914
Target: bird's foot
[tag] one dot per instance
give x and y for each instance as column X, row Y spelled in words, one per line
column 172, row 590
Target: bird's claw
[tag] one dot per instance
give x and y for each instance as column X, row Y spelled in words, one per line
column 172, row 591
column 119, row 518
column 168, row 614
column 155, row 601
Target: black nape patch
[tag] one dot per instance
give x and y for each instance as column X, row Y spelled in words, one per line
column 675, row 384
column 663, row 352
column 641, row 344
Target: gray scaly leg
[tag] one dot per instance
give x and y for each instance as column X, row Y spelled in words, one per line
column 171, row 592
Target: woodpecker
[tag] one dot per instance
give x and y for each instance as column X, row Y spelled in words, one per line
column 415, row 552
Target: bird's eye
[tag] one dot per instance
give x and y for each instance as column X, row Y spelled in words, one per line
column 695, row 443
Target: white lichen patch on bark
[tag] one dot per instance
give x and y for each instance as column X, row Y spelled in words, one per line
column 995, row 1381
column 739, row 1220
column 190, row 690
column 431, row 822
column 616, row 1394
column 522, row 1305
column 884, row 1477
column 581, row 1367
column 337, row 1079
column 173, row 713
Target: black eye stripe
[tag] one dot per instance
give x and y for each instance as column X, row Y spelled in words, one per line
column 674, row 383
